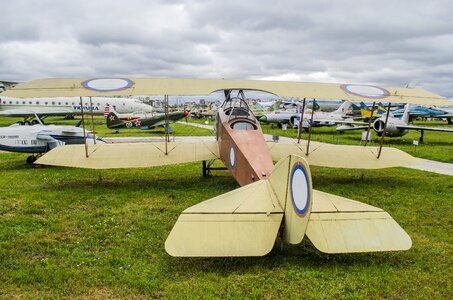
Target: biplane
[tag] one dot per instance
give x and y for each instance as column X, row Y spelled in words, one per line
column 273, row 199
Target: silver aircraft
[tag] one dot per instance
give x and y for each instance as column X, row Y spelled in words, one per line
column 39, row 138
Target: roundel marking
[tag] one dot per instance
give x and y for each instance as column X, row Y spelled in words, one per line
column 300, row 189
column 366, row 91
column 232, row 157
column 107, row 84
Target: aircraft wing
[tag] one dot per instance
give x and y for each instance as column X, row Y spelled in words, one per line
column 341, row 225
column 126, row 155
column 412, row 127
column 108, row 87
column 51, row 142
column 349, row 128
column 39, row 111
column 343, row 156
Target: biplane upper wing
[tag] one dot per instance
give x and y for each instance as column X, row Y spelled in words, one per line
column 343, row 156
column 126, row 155
column 76, row 87
column 246, row 221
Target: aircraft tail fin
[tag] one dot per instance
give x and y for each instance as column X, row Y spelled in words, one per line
column 106, row 110
column 406, row 114
column 79, row 123
column 113, row 121
column 344, row 107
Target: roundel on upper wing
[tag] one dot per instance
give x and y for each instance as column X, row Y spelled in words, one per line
column 232, row 157
column 107, row 84
column 366, row 91
column 300, row 189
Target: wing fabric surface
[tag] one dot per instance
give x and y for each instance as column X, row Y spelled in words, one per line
column 127, row 155
column 343, row 156
column 341, row 225
column 243, row 222
column 76, row 87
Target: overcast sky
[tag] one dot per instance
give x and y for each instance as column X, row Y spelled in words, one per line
column 388, row 43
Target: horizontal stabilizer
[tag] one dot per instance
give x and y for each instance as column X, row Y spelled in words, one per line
column 126, row 155
column 243, row 222
column 340, row 225
column 343, row 156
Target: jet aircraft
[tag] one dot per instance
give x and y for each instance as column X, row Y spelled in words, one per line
column 319, row 118
column 396, row 127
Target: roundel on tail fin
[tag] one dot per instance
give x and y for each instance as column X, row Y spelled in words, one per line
column 300, row 189
column 299, row 200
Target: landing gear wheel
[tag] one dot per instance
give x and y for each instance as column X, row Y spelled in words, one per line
column 34, row 122
column 31, row 159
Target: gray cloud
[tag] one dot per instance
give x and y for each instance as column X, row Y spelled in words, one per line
column 386, row 42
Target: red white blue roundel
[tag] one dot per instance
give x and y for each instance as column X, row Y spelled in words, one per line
column 232, row 157
column 300, row 189
column 365, row 91
column 107, row 84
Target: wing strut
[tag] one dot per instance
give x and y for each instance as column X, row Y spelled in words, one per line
column 369, row 123
column 311, row 125
column 385, row 127
column 83, row 124
column 166, row 124
column 92, row 120
column 301, row 121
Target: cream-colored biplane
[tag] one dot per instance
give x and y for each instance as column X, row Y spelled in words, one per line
column 272, row 199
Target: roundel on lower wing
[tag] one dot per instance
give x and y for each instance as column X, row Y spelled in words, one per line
column 232, row 157
column 366, row 91
column 300, row 189
column 107, row 84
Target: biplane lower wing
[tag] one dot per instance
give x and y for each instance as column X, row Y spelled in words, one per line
column 246, row 221
column 126, row 155
column 341, row 225
column 343, row 156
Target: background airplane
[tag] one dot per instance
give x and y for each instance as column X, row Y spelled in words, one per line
column 64, row 106
column 319, row 118
column 149, row 122
column 395, row 127
column 41, row 138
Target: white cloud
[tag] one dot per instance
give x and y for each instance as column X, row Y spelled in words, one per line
column 385, row 42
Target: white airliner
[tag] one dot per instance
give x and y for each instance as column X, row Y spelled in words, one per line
column 43, row 107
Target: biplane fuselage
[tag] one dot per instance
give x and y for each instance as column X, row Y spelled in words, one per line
column 242, row 147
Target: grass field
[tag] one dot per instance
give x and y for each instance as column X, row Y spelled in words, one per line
column 101, row 233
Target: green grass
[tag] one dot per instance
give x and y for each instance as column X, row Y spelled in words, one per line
column 101, row 233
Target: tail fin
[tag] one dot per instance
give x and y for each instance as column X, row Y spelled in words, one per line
column 113, row 121
column 406, row 114
column 344, row 107
column 107, row 110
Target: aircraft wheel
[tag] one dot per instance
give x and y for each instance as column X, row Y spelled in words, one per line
column 31, row 159
column 20, row 123
column 34, row 122
column 26, row 122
